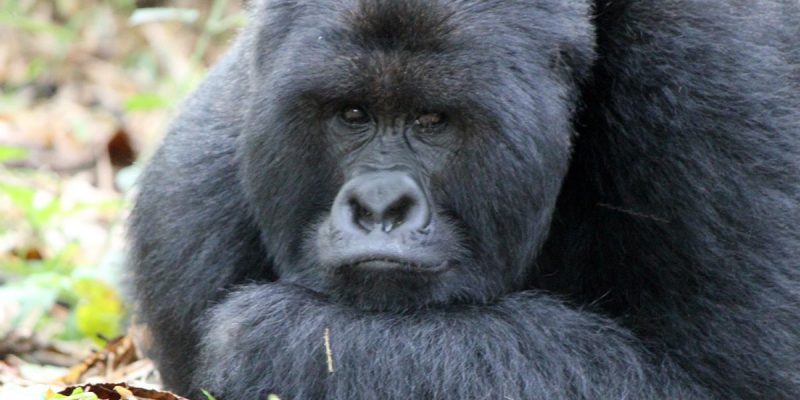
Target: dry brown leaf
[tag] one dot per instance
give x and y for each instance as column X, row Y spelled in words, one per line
column 117, row 353
column 111, row 391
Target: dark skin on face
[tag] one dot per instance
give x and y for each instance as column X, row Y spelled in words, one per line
column 482, row 199
column 382, row 226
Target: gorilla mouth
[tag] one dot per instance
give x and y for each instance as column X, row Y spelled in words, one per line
column 377, row 264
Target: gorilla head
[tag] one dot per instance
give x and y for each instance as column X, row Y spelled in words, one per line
column 400, row 162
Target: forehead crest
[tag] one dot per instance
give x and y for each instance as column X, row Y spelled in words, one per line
column 409, row 25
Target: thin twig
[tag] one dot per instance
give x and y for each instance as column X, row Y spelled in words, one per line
column 328, row 352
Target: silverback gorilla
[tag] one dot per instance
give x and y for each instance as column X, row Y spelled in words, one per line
column 464, row 199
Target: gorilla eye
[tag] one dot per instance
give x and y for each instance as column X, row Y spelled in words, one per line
column 354, row 115
column 429, row 120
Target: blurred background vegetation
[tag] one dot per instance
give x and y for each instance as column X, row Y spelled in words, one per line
column 87, row 88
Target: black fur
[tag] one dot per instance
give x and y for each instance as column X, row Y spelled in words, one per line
column 622, row 197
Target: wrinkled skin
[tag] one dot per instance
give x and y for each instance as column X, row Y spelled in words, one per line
column 374, row 199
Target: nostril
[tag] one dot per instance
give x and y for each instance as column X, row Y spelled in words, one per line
column 397, row 213
column 362, row 216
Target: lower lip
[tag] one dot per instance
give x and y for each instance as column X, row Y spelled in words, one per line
column 380, row 265
column 384, row 265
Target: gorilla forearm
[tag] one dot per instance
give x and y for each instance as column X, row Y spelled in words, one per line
column 548, row 351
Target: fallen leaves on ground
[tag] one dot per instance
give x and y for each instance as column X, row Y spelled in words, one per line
column 112, row 391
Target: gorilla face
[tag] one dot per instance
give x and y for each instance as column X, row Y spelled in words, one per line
column 367, row 142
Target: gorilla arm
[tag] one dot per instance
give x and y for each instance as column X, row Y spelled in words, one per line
column 528, row 344
column 190, row 239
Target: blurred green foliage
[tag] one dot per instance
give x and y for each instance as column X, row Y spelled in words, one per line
column 38, row 276
column 36, row 282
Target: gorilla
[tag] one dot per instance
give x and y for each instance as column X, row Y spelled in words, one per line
column 497, row 199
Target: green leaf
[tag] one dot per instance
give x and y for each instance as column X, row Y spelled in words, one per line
column 99, row 311
column 20, row 196
column 12, row 154
column 39, row 210
column 208, row 395
column 146, row 102
column 77, row 394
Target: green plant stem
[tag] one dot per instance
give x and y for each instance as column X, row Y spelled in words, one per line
column 209, row 30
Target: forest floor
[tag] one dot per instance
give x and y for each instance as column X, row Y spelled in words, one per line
column 87, row 89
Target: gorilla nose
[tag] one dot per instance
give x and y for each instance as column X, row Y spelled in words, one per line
column 387, row 200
